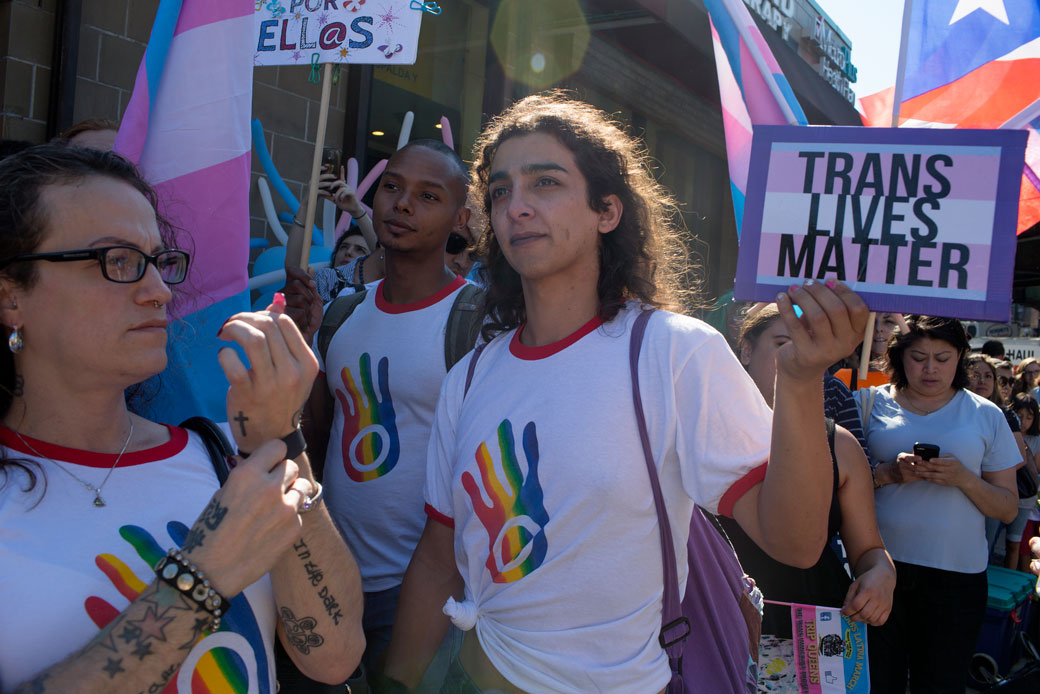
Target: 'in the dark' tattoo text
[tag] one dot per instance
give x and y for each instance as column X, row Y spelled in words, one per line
column 317, row 577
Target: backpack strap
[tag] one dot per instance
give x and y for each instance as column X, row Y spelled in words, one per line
column 337, row 312
column 460, row 334
column 217, row 445
column 472, row 367
column 674, row 626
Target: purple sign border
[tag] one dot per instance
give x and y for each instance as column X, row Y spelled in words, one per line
column 997, row 304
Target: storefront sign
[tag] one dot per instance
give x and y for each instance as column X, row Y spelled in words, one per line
column 835, row 60
column 776, row 13
column 303, row 32
column 915, row 220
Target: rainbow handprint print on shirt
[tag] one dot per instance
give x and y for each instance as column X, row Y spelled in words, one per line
column 237, row 661
column 516, row 518
column 370, row 443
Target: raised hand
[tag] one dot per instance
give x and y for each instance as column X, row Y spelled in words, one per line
column 250, row 522
column 265, row 401
column 832, row 324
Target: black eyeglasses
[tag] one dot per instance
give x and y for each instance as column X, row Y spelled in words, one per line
column 123, row 264
column 1005, row 381
column 456, row 243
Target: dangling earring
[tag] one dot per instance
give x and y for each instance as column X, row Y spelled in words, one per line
column 15, row 342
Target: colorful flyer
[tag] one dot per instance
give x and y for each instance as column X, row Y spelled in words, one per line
column 914, row 220
column 368, row 32
column 827, row 655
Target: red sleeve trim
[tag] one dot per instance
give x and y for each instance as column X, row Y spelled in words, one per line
column 740, row 488
column 439, row 517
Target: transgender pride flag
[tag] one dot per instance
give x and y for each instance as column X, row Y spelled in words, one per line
column 187, row 128
column 753, row 89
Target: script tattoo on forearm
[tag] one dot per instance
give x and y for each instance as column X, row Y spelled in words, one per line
column 301, row 631
column 317, row 578
column 164, row 679
column 210, row 519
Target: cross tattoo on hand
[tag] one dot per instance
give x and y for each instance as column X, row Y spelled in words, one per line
column 242, row 419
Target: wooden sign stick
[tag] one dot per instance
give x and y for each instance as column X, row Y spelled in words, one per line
column 319, row 142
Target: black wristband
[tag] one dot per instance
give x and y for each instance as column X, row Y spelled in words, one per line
column 295, row 444
column 175, row 570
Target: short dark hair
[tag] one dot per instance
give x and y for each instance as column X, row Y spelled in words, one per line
column 947, row 330
column 641, row 259
column 993, row 348
column 88, row 126
column 1024, row 401
column 461, row 170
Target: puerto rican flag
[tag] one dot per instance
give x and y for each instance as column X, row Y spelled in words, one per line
column 187, row 127
column 972, row 64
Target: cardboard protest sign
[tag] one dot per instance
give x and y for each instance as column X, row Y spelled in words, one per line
column 827, row 655
column 914, row 220
column 367, row 32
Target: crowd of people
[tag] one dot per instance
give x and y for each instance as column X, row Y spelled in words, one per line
column 435, row 481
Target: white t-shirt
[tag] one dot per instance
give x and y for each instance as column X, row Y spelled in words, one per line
column 69, row 567
column 540, row 470
column 385, row 366
column 926, row 523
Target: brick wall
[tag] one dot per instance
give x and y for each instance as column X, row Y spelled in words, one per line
column 112, row 39
column 26, row 45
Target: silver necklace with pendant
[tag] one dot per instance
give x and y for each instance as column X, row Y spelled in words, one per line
column 98, row 501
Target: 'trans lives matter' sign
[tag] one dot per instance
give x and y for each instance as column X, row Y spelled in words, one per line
column 371, row 32
column 914, row 220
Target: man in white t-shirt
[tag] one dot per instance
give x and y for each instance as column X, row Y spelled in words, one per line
column 372, row 407
column 541, row 524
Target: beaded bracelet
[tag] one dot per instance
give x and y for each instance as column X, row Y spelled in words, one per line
column 175, row 570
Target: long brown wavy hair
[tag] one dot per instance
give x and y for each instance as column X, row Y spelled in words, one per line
column 642, row 259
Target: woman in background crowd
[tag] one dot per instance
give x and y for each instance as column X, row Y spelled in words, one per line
column 1025, row 406
column 868, row 598
column 931, row 505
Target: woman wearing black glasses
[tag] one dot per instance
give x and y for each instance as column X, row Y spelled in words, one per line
column 126, row 567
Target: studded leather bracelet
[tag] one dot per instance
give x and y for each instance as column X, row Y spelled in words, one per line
column 175, row 570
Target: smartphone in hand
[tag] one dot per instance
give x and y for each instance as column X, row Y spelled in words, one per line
column 331, row 160
column 926, row 451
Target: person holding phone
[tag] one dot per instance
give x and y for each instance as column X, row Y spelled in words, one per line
column 943, row 461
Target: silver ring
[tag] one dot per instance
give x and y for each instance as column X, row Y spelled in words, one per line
column 310, row 502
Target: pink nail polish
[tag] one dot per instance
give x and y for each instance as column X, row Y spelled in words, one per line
column 279, row 299
column 830, row 284
column 221, row 329
column 792, row 288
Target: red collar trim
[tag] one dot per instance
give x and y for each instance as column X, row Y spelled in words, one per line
column 178, row 440
column 386, row 307
column 522, row 351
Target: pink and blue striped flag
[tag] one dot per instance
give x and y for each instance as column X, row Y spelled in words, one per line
column 187, row 128
column 753, row 89
column 972, row 65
